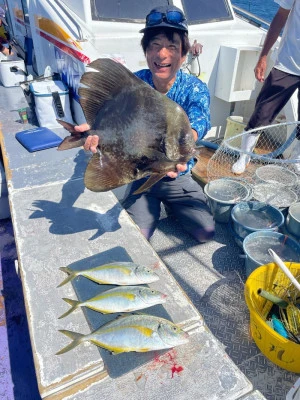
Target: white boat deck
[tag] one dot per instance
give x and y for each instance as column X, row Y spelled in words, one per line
column 57, row 223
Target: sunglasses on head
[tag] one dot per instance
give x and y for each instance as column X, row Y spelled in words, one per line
column 173, row 17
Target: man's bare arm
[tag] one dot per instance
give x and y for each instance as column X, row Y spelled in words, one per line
column 275, row 28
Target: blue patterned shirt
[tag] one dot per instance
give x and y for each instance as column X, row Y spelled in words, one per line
column 193, row 96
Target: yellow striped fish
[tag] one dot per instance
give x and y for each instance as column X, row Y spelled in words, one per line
column 117, row 273
column 120, row 299
column 133, row 332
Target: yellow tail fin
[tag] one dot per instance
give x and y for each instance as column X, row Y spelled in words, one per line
column 72, row 274
column 74, row 304
column 76, row 337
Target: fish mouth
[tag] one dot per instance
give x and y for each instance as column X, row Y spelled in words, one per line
column 161, row 300
column 182, row 339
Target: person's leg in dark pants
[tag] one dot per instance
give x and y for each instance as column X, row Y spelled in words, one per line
column 183, row 196
column 144, row 209
column 295, row 154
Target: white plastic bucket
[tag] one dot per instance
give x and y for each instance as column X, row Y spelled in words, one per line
column 8, row 77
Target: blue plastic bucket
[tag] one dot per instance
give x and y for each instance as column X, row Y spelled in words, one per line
column 223, row 194
column 293, row 220
column 253, row 216
column 256, row 246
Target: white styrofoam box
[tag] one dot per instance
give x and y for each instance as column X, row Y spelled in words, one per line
column 9, row 78
column 45, row 108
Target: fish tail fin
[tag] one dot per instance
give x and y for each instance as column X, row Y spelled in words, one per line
column 76, row 340
column 71, row 275
column 74, row 304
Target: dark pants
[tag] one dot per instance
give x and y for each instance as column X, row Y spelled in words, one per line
column 183, row 197
column 277, row 89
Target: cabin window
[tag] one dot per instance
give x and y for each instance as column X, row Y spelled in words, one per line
column 196, row 11
column 123, row 11
column 204, row 11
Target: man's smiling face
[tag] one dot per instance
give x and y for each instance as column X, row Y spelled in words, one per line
column 164, row 58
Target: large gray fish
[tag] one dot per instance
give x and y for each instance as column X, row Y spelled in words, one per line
column 137, row 332
column 116, row 273
column 119, row 299
column 141, row 132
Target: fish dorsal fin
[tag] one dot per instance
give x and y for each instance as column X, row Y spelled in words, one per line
column 103, row 84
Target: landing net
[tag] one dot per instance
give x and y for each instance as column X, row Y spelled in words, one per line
column 271, row 172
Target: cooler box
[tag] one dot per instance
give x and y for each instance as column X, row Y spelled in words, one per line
column 51, row 99
column 12, row 71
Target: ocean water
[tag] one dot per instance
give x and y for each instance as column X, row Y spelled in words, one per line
column 264, row 9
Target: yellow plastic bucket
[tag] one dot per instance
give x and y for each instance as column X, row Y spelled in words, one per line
column 281, row 351
column 234, row 126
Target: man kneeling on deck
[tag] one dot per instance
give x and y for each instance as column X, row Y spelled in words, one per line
column 165, row 44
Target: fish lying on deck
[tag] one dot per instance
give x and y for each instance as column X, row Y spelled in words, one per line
column 120, row 299
column 118, row 273
column 136, row 332
column 141, row 131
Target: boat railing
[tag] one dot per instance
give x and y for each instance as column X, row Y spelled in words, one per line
column 251, row 18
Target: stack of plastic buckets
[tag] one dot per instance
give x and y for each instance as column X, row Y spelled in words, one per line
column 253, row 216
